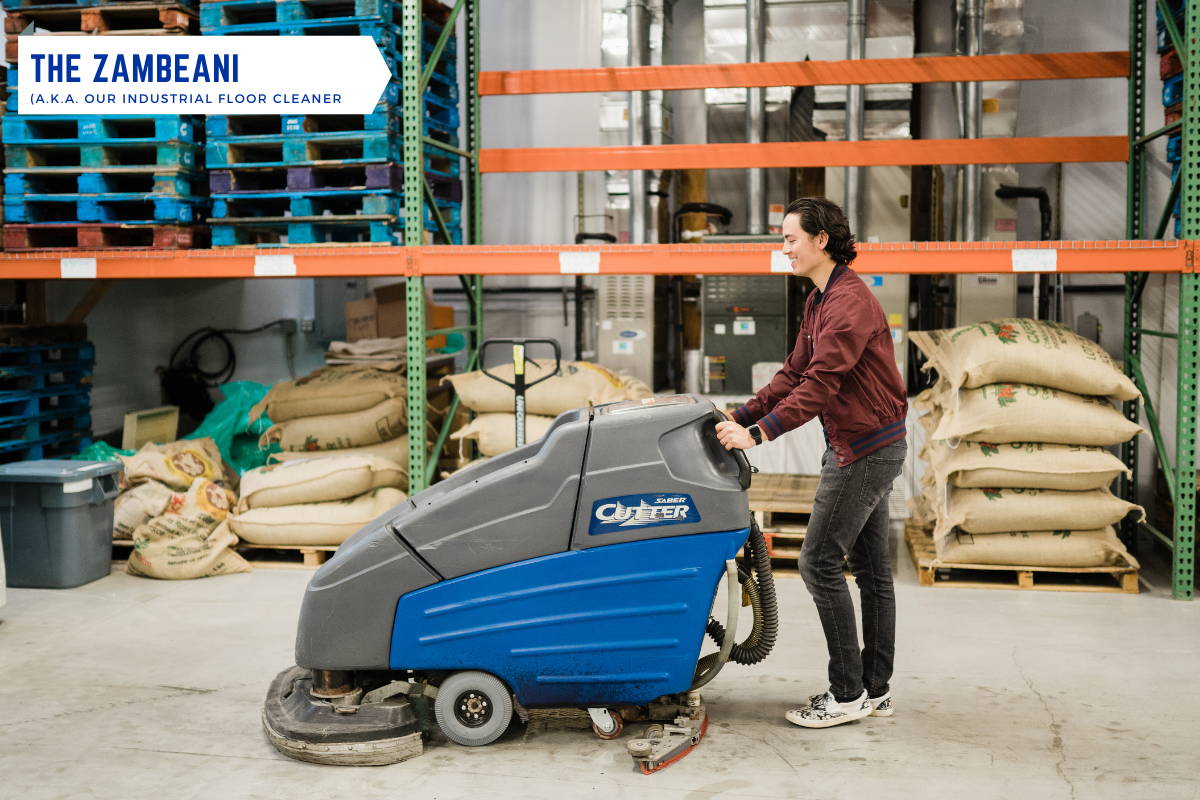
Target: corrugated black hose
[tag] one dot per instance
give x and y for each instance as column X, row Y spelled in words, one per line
column 761, row 589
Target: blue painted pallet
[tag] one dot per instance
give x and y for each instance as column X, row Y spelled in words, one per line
column 89, row 129
column 21, row 4
column 54, row 393
column 387, row 37
column 281, row 234
column 130, row 208
column 332, row 202
column 89, row 156
column 57, row 444
column 439, row 117
column 171, row 184
column 41, row 352
column 254, row 14
column 243, row 180
column 295, row 151
column 80, row 367
column 62, row 419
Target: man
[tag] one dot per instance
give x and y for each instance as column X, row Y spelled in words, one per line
column 842, row 369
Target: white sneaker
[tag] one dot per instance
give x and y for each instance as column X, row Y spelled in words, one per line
column 882, row 706
column 824, row 711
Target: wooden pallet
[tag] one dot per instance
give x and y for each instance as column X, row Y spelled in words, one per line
column 783, row 493
column 931, row 572
column 266, row 556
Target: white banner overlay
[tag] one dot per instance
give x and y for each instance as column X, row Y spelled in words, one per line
column 143, row 75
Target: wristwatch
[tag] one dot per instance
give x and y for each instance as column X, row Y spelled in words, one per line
column 755, row 433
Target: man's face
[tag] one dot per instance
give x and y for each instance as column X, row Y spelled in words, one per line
column 804, row 251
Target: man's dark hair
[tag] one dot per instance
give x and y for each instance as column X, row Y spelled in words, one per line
column 819, row 214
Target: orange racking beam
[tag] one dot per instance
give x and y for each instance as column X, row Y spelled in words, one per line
column 870, row 153
column 676, row 259
column 939, row 69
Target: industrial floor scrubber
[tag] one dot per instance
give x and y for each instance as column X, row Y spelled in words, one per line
column 578, row 571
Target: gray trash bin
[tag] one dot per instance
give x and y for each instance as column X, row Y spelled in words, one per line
column 56, row 521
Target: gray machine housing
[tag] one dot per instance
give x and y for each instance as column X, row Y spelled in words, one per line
column 534, row 501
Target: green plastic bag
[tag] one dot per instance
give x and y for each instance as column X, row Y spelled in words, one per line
column 101, row 451
column 229, row 425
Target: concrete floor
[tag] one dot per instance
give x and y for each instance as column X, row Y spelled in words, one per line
column 129, row 687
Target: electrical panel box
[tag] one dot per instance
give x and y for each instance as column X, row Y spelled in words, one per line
column 745, row 322
column 625, row 313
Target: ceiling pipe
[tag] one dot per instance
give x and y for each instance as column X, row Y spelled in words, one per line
column 639, row 117
column 856, row 45
column 756, row 118
column 973, row 119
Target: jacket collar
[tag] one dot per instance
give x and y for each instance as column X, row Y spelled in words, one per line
column 838, row 270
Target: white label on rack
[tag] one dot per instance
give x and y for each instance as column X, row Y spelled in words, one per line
column 74, row 487
column 1035, row 260
column 579, row 263
column 274, row 266
column 77, row 268
column 780, row 262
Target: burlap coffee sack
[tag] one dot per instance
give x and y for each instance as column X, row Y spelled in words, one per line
column 139, row 505
column 333, row 390
column 1003, row 510
column 1025, row 465
column 317, row 479
column 1016, row 412
column 1031, row 351
column 380, row 423
column 580, row 383
column 1094, row 548
column 497, row 433
column 191, row 540
column 394, row 450
column 176, row 465
column 314, row 523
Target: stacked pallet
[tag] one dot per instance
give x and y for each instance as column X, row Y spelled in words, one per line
column 95, row 182
column 45, row 399
column 1018, row 426
column 1170, row 70
column 307, row 179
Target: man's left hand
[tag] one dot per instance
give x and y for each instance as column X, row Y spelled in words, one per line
column 732, row 435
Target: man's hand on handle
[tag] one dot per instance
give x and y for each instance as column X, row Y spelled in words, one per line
column 732, row 435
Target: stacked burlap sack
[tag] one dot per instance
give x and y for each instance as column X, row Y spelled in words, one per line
column 578, row 384
column 1018, row 429
column 174, row 505
column 351, row 410
column 319, row 500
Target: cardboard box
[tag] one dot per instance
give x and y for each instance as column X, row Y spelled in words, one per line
column 385, row 316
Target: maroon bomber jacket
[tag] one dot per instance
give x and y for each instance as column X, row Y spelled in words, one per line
column 842, row 368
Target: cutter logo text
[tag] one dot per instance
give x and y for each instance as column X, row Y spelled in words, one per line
column 641, row 510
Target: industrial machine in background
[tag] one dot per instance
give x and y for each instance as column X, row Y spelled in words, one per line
column 577, row 571
column 745, row 321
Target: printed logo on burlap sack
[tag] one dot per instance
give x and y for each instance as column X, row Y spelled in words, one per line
column 1006, row 394
column 188, row 462
column 988, row 449
column 993, row 494
column 1005, row 332
column 311, row 444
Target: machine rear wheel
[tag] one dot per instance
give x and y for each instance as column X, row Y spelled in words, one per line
column 473, row 708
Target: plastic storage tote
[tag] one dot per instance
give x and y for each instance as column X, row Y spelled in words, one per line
column 56, row 521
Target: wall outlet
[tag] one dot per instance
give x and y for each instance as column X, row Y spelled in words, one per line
column 308, row 325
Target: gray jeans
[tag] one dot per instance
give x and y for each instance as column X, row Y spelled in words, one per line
column 849, row 521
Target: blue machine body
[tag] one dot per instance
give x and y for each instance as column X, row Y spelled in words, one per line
column 619, row 624
column 580, row 569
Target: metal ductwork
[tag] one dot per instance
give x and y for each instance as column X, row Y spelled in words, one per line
column 856, row 45
column 756, row 118
column 639, row 117
column 972, row 21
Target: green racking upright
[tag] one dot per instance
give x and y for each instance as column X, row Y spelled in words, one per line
column 1181, row 475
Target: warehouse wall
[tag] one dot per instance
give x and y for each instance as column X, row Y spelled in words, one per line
column 138, row 323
